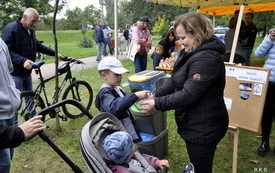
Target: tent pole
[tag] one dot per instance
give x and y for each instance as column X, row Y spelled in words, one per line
column 116, row 41
column 236, row 35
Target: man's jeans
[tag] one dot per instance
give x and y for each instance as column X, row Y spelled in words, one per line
column 6, row 154
column 23, row 83
column 99, row 51
column 248, row 53
column 107, row 42
column 140, row 62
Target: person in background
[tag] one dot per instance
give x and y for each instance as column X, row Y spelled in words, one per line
column 250, row 31
column 126, row 36
column 99, row 39
column 113, row 99
column 240, row 55
column 20, row 38
column 123, row 158
column 195, row 90
column 267, row 49
column 121, row 40
column 168, row 43
column 107, row 32
column 11, row 137
column 142, row 36
column 157, row 55
column 236, row 14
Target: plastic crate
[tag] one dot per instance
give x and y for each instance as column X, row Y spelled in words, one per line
column 153, row 123
column 158, row 146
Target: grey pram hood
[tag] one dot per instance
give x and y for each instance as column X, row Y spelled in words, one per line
column 92, row 135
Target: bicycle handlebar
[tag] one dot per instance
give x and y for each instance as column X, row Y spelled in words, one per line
column 65, row 58
column 71, row 59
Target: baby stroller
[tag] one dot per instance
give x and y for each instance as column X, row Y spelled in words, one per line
column 91, row 138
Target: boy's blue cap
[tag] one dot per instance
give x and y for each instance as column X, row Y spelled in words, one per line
column 118, row 146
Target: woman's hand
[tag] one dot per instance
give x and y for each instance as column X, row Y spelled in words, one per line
column 148, row 106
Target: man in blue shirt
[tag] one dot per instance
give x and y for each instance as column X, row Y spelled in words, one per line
column 99, row 39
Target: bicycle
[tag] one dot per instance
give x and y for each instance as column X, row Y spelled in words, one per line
column 81, row 91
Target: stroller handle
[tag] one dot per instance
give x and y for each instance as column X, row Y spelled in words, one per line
column 164, row 169
column 47, row 110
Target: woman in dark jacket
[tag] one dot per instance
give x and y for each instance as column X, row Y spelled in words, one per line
column 168, row 43
column 195, row 90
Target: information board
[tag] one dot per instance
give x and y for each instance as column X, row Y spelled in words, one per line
column 244, row 95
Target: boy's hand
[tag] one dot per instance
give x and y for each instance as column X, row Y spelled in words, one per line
column 163, row 163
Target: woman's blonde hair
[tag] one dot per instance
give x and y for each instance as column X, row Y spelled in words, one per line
column 197, row 26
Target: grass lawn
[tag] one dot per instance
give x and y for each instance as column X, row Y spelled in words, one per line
column 37, row 156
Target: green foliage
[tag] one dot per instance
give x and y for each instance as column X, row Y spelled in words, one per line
column 68, row 41
column 140, row 8
column 264, row 21
column 15, row 8
column 77, row 18
column 86, row 43
column 162, row 25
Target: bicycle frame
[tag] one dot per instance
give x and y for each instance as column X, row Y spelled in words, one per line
column 77, row 90
column 41, row 86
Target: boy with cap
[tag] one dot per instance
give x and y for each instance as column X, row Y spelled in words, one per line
column 113, row 99
column 123, row 158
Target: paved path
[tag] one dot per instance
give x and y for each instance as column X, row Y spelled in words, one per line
column 49, row 69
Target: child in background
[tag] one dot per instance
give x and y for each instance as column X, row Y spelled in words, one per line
column 113, row 99
column 157, row 56
column 121, row 40
column 123, row 158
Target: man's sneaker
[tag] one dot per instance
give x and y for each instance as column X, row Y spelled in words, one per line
column 189, row 168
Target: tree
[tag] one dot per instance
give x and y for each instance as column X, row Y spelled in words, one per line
column 76, row 18
column 264, row 21
column 153, row 11
column 15, row 8
column 161, row 26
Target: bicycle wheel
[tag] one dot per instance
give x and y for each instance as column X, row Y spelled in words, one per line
column 79, row 91
column 30, row 104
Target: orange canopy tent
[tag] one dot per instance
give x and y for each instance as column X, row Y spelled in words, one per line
column 208, row 3
column 224, row 10
column 223, row 7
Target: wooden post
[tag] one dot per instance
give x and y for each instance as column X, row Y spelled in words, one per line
column 235, row 131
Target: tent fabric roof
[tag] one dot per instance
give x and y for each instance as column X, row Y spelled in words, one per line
column 224, row 10
column 208, row 3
